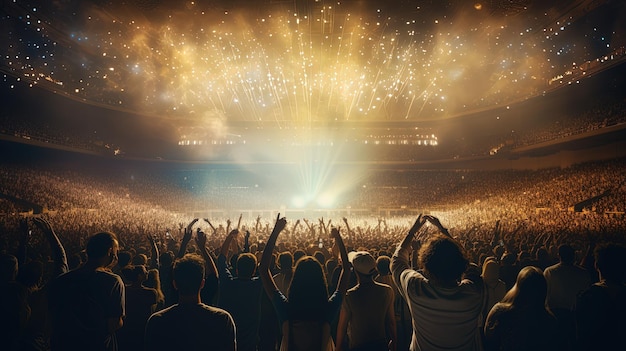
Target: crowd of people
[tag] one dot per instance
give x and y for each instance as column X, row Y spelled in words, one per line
column 510, row 230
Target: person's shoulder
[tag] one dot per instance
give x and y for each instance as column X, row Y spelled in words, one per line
column 108, row 276
column 499, row 309
column 551, row 268
column 382, row 285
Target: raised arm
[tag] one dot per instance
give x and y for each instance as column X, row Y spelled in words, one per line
column 227, row 242
column 435, row 221
column 344, row 278
column 154, row 255
column 211, row 269
column 400, row 258
column 264, row 267
column 58, row 251
column 186, row 238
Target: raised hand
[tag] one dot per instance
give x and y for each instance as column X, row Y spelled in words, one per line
column 280, row 224
column 435, row 221
column 200, row 239
column 419, row 222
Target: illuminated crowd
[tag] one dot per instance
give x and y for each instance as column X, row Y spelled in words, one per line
column 530, row 214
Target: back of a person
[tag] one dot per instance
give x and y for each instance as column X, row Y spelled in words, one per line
column 189, row 328
column 446, row 318
column 601, row 318
column 242, row 299
column 522, row 329
column 368, row 305
column 306, row 335
column 79, row 305
column 140, row 302
column 565, row 282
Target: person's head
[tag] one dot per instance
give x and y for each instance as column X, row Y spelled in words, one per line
column 246, row 265
column 102, row 249
column 135, row 274
column 566, row 254
column 140, row 260
column 298, row 254
column 124, row 258
column 307, row 292
column 285, row 261
column 383, row 265
column 491, row 271
column 331, row 264
column 188, row 274
column 166, row 259
column 363, row 263
column 320, row 257
column 611, row 262
column 530, row 289
column 443, row 260
column 8, row 267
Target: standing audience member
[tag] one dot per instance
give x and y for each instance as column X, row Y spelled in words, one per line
column 445, row 308
column 306, row 312
column 36, row 336
column 14, row 309
column 87, row 305
column 565, row 281
column 495, row 289
column 601, row 309
column 240, row 294
column 190, row 324
column 367, row 316
column 521, row 321
column 140, row 304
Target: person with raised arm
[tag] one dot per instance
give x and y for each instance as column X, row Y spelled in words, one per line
column 445, row 306
column 306, row 312
column 87, row 305
column 240, row 293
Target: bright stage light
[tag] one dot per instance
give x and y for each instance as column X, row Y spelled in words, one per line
column 326, row 200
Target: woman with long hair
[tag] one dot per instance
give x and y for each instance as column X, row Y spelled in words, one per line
column 521, row 321
column 306, row 311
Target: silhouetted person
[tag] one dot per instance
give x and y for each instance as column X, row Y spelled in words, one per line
column 367, row 317
column 601, row 309
column 565, row 282
column 190, row 324
column 521, row 321
column 87, row 305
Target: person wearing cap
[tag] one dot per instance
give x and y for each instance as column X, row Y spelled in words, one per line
column 367, row 318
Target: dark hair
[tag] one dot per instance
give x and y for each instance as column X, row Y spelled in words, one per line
column 99, row 244
column 566, row 254
column 246, row 265
column 382, row 265
column 298, row 254
column 132, row 273
column 308, row 291
column 443, row 258
column 124, row 258
column 610, row 261
column 188, row 274
column 530, row 289
column 285, row 260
